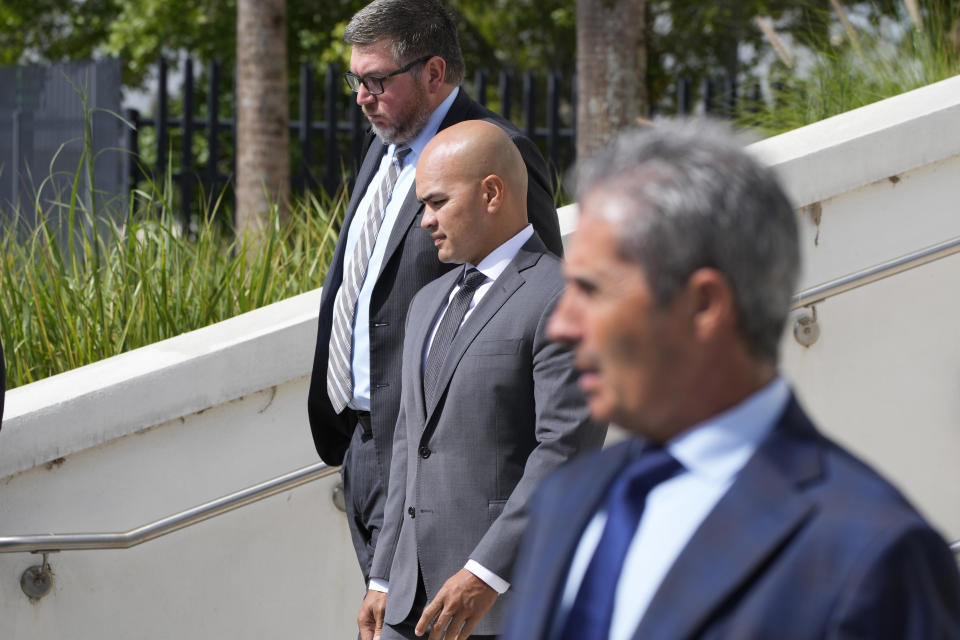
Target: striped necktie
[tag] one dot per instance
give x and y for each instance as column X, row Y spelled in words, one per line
column 446, row 330
column 339, row 378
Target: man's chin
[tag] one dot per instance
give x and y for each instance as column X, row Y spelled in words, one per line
column 387, row 136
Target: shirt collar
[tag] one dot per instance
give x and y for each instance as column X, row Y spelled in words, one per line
column 498, row 259
column 720, row 446
column 429, row 130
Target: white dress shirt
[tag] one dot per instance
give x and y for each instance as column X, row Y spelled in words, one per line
column 712, row 453
column 361, row 321
column 491, row 266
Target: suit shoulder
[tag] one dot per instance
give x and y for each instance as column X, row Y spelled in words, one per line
column 581, row 468
column 433, row 287
column 856, row 490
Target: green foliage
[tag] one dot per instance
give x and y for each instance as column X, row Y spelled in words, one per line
column 141, row 279
column 525, row 34
column 887, row 58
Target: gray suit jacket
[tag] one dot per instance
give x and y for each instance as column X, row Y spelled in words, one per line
column 510, row 412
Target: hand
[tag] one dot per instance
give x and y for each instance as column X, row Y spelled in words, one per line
column 370, row 618
column 458, row 607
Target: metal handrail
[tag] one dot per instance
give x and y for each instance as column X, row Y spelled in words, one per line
column 878, row 272
column 127, row 539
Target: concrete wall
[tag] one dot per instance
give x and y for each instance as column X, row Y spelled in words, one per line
column 135, row 438
column 141, row 436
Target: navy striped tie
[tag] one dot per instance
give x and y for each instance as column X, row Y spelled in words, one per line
column 592, row 611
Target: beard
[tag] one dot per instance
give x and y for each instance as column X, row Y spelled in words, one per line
column 409, row 123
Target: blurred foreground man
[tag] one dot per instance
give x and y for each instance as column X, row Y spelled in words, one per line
column 728, row 515
column 405, row 69
column 489, row 404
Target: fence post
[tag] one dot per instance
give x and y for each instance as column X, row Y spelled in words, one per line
column 160, row 121
column 574, row 88
column 480, row 83
column 506, row 93
column 306, row 125
column 331, row 171
column 553, row 123
column 186, row 145
column 16, row 146
column 356, row 136
column 530, row 104
column 213, row 126
column 729, row 94
column 132, row 157
column 684, row 96
column 709, row 95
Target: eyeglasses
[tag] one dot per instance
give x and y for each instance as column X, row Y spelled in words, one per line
column 374, row 84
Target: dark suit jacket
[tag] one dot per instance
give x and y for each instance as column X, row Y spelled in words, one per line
column 465, row 466
column 808, row 543
column 410, row 262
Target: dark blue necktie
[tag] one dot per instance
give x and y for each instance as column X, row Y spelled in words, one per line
column 589, row 617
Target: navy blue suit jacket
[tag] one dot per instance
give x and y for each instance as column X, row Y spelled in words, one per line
column 808, row 542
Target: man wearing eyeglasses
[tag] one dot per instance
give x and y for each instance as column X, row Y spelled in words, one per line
column 405, row 69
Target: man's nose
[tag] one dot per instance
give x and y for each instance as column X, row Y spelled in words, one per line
column 428, row 221
column 364, row 96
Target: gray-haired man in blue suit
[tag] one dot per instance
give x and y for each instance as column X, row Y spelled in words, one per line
column 729, row 515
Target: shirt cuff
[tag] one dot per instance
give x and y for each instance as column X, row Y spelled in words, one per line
column 376, row 584
column 494, row 581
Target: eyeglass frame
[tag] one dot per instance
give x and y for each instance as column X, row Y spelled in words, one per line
column 362, row 80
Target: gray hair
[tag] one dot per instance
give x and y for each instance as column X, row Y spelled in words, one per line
column 697, row 199
column 416, row 28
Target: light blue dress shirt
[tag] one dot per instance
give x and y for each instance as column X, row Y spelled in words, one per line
column 712, row 453
column 405, row 181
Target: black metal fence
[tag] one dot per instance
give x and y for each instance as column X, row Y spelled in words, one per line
column 42, row 138
column 198, row 151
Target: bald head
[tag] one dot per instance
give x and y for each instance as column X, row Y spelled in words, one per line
column 473, row 183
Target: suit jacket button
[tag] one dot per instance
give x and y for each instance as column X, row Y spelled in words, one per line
column 424, row 452
column 412, row 512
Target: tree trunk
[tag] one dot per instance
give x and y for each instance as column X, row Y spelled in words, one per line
column 263, row 139
column 611, row 70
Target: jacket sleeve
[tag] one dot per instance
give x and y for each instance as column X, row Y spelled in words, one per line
column 563, row 429
column 396, row 487
column 907, row 587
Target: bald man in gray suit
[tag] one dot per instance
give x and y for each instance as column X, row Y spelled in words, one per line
column 488, row 407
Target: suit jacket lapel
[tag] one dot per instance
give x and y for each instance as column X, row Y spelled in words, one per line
column 751, row 522
column 371, row 162
column 501, row 291
column 585, row 496
column 422, row 332
column 409, row 212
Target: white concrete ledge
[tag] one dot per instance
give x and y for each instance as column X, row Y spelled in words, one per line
column 871, row 143
column 82, row 408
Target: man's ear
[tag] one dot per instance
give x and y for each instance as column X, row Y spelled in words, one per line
column 492, row 189
column 712, row 304
column 435, row 71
